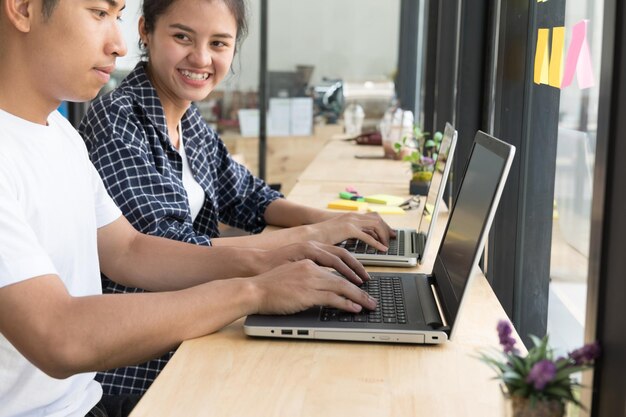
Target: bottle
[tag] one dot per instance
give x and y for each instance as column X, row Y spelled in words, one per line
column 353, row 118
column 394, row 136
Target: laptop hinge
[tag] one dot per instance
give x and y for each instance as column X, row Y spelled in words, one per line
column 438, row 303
column 429, row 303
column 415, row 244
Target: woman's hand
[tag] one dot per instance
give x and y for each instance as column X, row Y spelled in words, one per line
column 368, row 227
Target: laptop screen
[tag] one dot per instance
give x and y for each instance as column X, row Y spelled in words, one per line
column 471, row 217
column 438, row 181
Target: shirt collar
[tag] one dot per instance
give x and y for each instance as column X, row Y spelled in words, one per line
column 138, row 86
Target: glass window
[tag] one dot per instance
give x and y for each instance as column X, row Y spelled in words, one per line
column 577, row 129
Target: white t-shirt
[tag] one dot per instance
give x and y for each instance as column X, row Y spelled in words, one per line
column 195, row 193
column 51, row 203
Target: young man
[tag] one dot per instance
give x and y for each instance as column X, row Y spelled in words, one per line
column 58, row 228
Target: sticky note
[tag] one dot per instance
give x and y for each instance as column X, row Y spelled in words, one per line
column 578, row 58
column 556, row 56
column 346, row 205
column 389, row 200
column 385, row 209
column 584, row 69
column 541, row 57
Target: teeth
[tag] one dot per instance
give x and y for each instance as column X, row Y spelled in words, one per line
column 195, row 76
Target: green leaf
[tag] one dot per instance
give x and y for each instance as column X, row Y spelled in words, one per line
column 518, row 364
column 536, row 341
column 565, row 373
column 510, row 375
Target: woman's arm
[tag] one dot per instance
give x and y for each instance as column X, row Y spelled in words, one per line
column 319, row 225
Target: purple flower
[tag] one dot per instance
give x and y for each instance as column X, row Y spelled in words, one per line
column 541, row 373
column 427, row 160
column 585, row 354
column 504, row 333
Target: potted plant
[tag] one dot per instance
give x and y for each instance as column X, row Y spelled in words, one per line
column 421, row 153
column 538, row 384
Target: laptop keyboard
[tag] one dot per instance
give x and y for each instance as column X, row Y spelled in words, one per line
column 396, row 246
column 390, row 309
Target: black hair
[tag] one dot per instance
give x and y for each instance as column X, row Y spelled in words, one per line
column 153, row 9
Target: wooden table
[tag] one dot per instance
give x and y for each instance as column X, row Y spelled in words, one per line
column 230, row 374
column 337, row 161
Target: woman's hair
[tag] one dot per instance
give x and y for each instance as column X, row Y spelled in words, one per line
column 153, row 9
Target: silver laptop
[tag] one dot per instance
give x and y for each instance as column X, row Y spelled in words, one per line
column 416, row 308
column 407, row 249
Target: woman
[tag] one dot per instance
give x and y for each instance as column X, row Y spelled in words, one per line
column 170, row 173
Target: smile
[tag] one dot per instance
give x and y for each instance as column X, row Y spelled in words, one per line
column 198, row 76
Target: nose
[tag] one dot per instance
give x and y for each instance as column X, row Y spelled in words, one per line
column 200, row 56
column 116, row 45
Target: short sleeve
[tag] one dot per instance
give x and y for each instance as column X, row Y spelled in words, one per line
column 106, row 210
column 21, row 255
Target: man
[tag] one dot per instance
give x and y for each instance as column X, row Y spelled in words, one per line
column 59, row 228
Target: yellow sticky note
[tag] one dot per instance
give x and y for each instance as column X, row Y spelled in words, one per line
column 389, row 200
column 541, row 56
column 347, row 205
column 556, row 56
column 385, row 209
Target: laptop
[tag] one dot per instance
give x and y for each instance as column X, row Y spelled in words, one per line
column 416, row 308
column 409, row 246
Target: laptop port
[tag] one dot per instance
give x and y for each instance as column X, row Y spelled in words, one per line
column 286, row 331
column 303, row 332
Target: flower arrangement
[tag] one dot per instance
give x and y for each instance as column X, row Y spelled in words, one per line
column 539, row 376
column 420, row 152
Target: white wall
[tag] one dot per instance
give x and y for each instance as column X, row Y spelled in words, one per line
column 130, row 18
column 347, row 39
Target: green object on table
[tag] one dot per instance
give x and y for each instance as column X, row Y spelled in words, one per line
column 349, row 196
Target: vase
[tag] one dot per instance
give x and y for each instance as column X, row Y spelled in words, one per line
column 525, row 407
column 418, row 187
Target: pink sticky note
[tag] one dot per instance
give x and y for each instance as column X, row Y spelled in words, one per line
column 578, row 58
column 584, row 69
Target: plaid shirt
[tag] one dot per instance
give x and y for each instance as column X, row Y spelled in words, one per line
column 127, row 139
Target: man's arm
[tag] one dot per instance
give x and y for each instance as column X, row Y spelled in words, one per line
column 306, row 223
column 153, row 263
column 64, row 335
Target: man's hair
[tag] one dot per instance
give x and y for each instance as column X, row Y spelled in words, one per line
column 48, row 7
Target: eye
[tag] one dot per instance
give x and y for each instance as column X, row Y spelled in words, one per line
column 100, row 14
column 182, row 37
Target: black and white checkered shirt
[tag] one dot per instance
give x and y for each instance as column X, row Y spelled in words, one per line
column 126, row 135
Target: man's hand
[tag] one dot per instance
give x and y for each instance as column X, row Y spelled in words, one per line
column 320, row 253
column 368, row 227
column 300, row 285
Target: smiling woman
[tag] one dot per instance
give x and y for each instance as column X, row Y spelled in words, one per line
column 171, row 174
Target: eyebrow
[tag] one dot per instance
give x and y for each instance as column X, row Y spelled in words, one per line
column 190, row 30
column 114, row 4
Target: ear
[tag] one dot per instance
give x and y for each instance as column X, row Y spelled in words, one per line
column 143, row 33
column 19, row 13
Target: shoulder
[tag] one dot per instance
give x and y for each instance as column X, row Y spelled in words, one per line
column 112, row 114
column 113, row 106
